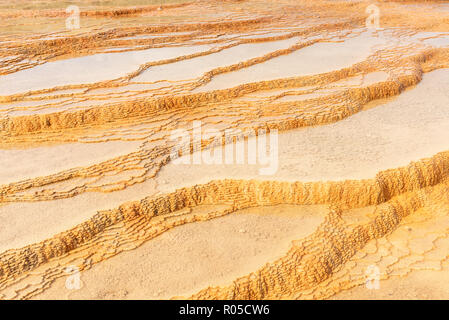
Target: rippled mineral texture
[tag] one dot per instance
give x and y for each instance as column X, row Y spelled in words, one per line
column 254, row 149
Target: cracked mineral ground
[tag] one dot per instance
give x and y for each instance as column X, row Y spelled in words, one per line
column 100, row 199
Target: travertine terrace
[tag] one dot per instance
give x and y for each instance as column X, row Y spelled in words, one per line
column 90, row 185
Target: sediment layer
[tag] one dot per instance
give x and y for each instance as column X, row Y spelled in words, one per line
column 397, row 192
column 233, row 65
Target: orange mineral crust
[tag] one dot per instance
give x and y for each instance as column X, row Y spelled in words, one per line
column 210, row 149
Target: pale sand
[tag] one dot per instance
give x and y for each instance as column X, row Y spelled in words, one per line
column 190, row 257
